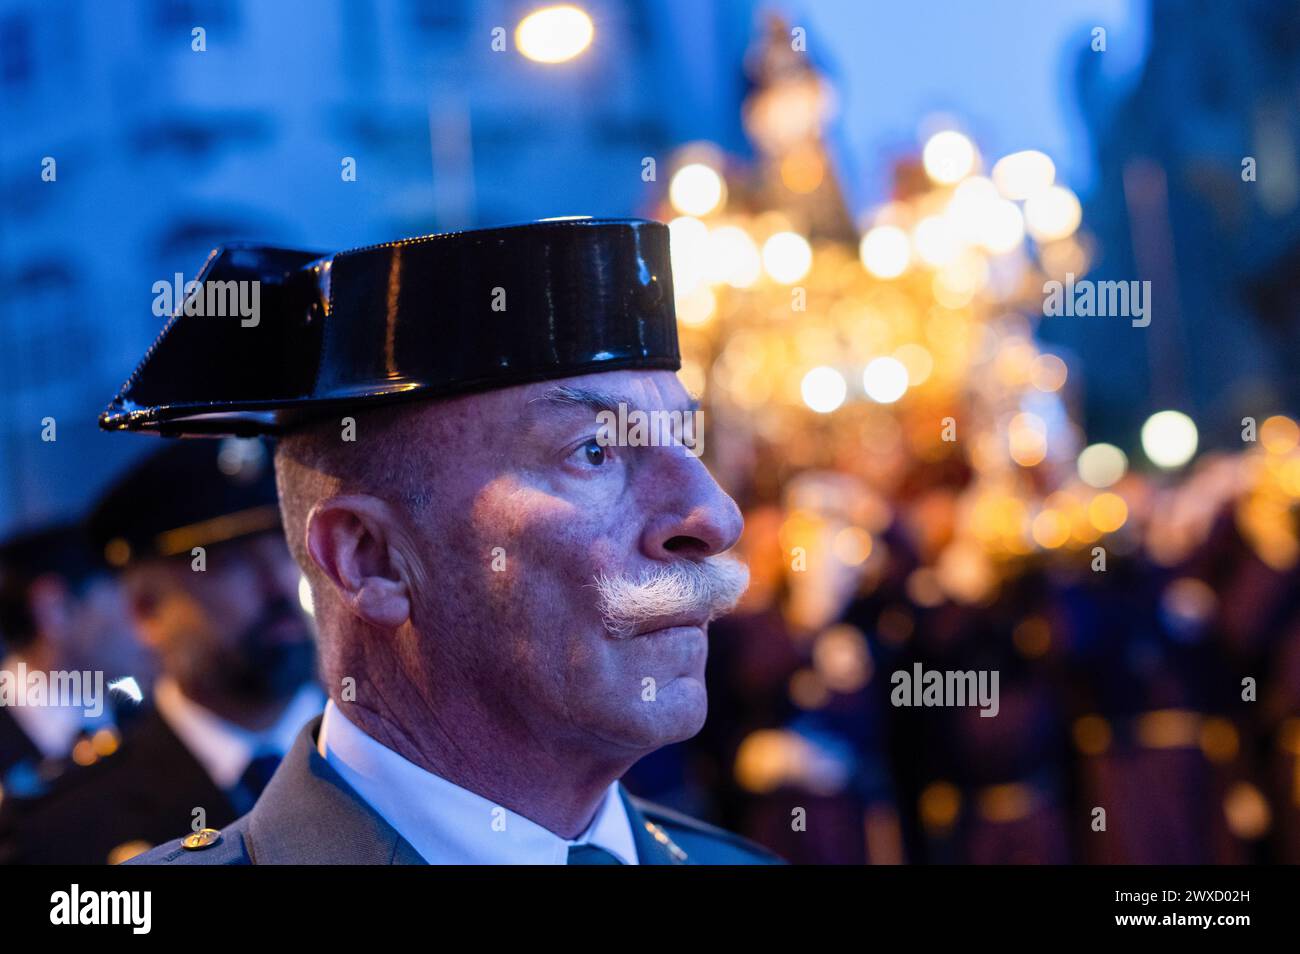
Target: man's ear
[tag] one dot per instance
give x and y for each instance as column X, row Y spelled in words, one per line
column 353, row 538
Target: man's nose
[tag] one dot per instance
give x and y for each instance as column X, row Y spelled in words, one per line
column 695, row 519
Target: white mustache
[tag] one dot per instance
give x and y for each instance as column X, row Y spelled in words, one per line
column 685, row 588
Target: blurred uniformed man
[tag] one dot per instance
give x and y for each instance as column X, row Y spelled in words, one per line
column 512, row 602
column 61, row 611
column 211, row 588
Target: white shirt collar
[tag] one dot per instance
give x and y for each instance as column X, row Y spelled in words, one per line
column 223, row 748
column 52, row 729
column 448, row 824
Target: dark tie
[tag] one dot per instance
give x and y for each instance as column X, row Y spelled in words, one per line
column 591, row 855
column 254, row 779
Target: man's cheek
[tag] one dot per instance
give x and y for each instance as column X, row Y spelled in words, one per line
column 558, row 545
column 538, row 591
column 545, row 553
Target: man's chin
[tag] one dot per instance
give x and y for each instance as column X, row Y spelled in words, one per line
column 675, row 713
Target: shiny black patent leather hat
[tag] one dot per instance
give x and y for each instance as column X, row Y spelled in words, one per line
column 427, row 317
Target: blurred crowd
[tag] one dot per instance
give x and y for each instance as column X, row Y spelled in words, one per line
column 1164, row 692
column 921, row 490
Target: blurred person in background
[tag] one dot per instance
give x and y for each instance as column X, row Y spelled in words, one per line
column 211, row 588
column 61, row 612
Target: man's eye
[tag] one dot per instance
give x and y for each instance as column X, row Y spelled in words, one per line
column 592, row 453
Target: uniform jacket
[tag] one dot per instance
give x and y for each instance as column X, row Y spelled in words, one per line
column 142, row 794
column 15, row 746
column 309, row 815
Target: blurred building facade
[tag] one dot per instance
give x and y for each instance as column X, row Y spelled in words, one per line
column 1198, row 192
column 161, row 152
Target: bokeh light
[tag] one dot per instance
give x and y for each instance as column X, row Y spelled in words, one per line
column 885, row 380
column 1024, row 174
column 304, row 596
column 885, row 251
column 948, row 157
column 787, row 257
column 696, row 189
column 1048, row 373
column 697, row 307
column 733, row 258
column 1169, row 439
column 1279, row 434
column 1101, row 465
column 1004, row 227
column 824, row 389
column 554, row 34
column 1107, row 512
column 688, row 240
column 935, row 241
column 1027, row 439
column 1052, row 214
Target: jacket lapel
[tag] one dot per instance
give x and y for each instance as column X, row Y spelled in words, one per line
column 309, row 816
column 653, row 846
column 15, row 746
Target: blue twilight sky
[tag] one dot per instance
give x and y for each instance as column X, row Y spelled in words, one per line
column 1003, row 69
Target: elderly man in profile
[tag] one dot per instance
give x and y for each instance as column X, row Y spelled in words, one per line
column 512, row 606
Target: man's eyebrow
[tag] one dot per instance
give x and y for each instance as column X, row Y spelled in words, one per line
column 568, row 396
